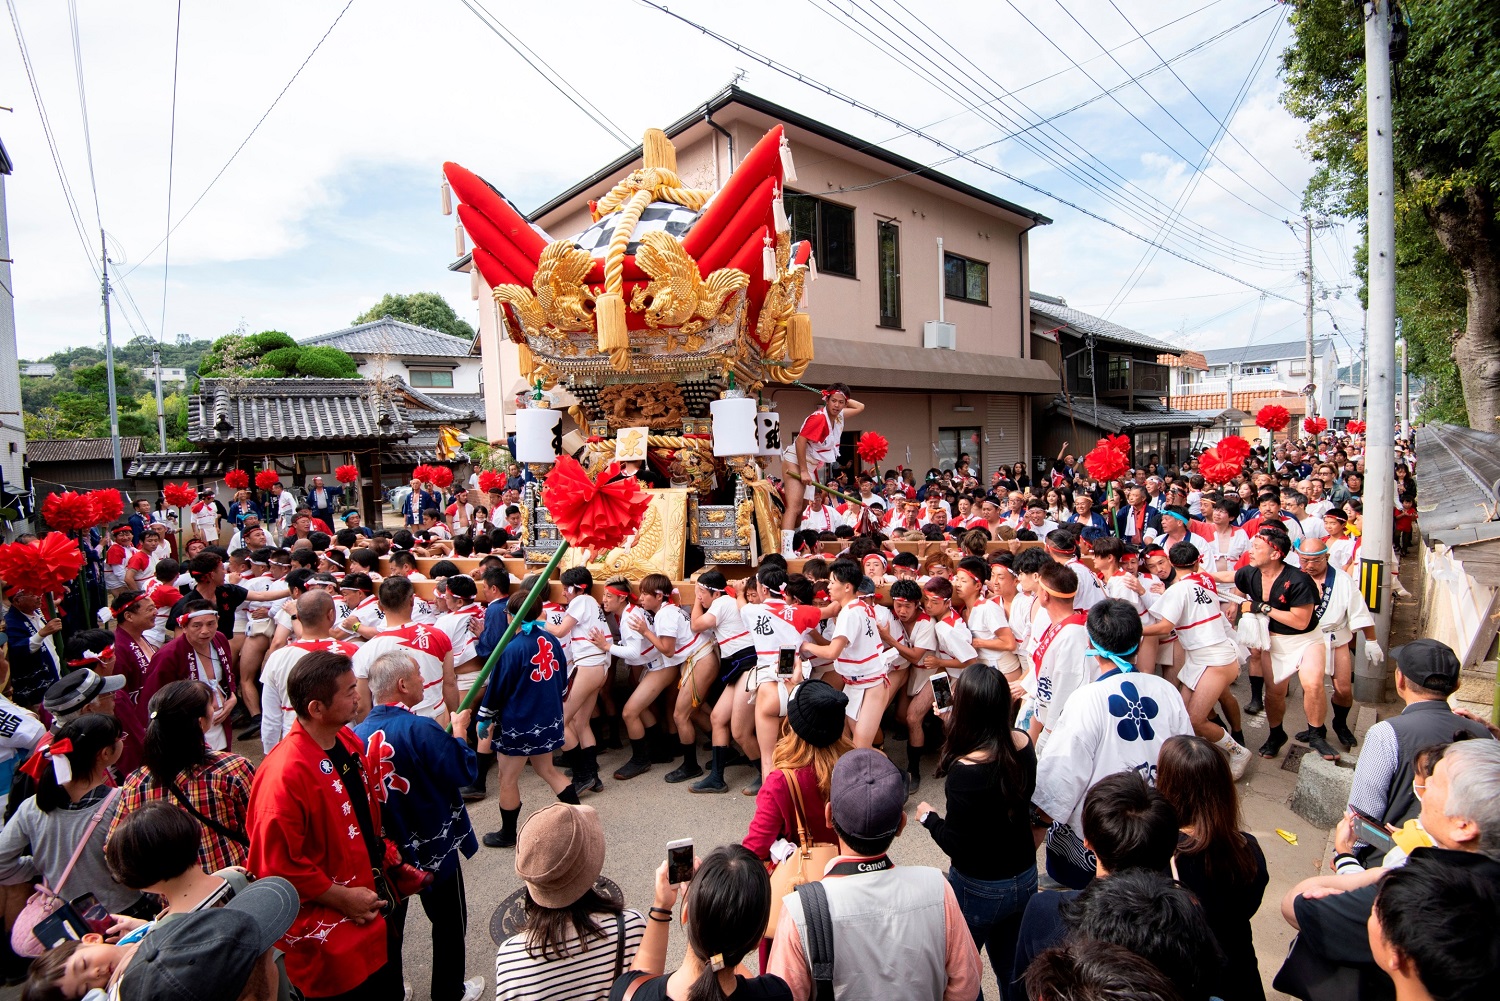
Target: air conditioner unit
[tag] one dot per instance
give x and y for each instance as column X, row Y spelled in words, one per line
column 937, row 334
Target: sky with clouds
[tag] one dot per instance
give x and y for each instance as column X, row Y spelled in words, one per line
column 334, row 200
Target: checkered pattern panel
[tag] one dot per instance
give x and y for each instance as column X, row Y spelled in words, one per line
column 674, row 219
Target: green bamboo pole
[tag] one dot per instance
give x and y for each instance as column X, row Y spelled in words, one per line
column 510, row 630
column 818, row 486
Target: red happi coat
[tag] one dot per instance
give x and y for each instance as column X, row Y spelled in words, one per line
column 303, row 828
column 173, row 662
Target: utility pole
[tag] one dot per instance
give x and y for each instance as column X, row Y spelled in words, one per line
column 1312, row 376
column 1405, row 383
column 109, row 364
column 1380, row 457
column 1364, row 365
column 161, row 413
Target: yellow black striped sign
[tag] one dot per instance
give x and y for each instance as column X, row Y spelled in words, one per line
column 1372, row 583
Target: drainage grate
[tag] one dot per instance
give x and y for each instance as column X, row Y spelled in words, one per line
column 1294, row 753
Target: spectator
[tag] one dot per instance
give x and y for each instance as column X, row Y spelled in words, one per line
column 1114, row 723
column 33, row 664
column 902, row 932
column 1432, row 929
column 199, row 652
column 1218, row 861
column 567, row 937
column 321, row 499
column 991, row 775
column 805, row 754
column 20, row 733
column 1460, row 813
column 309, row 794
column 1426, row 674
column 74, row 803
column 1158, row 920
column 213, row 787
column 419, row 769
column 1097, row 971
column 1126, row 825
column 724, row 912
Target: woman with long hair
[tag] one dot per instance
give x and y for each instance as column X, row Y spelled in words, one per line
column 212, row 787
column 1019, row 474
column 991, row 774
column 1218, row 861
column 724, row 911
column 1058, row 507
column 74, row 800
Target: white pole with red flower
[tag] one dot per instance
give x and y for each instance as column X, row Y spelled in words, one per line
column 180, row 496
column 45, row 567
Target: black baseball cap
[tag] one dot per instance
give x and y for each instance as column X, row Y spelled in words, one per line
column 1429, row 664
column 209, row 955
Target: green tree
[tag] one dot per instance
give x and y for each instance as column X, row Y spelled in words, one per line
column 425, row 309
column 1447, row 149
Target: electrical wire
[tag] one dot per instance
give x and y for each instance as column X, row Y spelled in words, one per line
column 853, row 102
column 238, row 149
column 1138, row 204
column 166, row 258
column 83, row 107
column 558, row 83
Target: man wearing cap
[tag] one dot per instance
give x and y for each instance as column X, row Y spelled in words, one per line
column 1427, row 672
column 894, row 931
column 1344, row 613
column 1291, row 602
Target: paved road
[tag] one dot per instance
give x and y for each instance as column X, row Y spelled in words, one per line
column 1457, row 471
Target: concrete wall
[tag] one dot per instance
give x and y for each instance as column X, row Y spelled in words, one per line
column 12, row 436
column 466, row 375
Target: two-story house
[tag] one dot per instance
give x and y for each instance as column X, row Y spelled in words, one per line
column 1114, row 381
column 920, row 302
column 1261, row 374
column 441, row 366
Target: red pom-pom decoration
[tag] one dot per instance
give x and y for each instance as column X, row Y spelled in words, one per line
column 422, row 473
column 45, row 567
column 442, row 477
column 1315, row 425
column 491, row 480
column 267, row 478
column 346, row 473
column 108, row 504
column 1218, row 468
column 872, row 447
column 237, row 479
column 1355, row 427
column 1105, row 462
column 1234, row 448
column 179, row 494
column 597, row 515
column 1119, row 442
column 70, row 512
column 1273, row 418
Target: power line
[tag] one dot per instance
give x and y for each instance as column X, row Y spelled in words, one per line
column 860, row 105
column 83, row 105
column 166, row 258
column 173, row 228
column 551, row 75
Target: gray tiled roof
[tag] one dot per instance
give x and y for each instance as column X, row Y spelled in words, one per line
column 78, row 449
column 291, row 410
column 1280, row 351
column 393, row 337
column 1058, row 311
column 171, row 465
column 1114, row 420
column 470, row 402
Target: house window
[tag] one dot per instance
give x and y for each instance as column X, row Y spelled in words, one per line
column 1299, row 367
column 966, row 280
column 1258, row 369
column 888, row 258
column 431, row 378
column 828, row 226
column 953, row 442
column 1119, row 372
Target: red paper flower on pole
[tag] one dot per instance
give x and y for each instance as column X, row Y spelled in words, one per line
column 491, row 480
column 1218, row 468
column 1355, row 427
column 237, row 479
column 69, row 511
column 597, row 515
column 267, row 478
column 872, row 447
column 346, row 473
column 108, row 504
column 1119, row 442
column 179, row 494
column 1273, row 418
column 1315, row 425
column 1105, row 462
column 424, row 473
column 46, row 567
column 442, row 477
column 1234, row 448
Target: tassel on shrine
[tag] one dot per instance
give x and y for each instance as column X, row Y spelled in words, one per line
column 609, row 313
column 475, row 285
column 447, row 198
column 526, row 363
column 768, row 261
column 799, row 339
column 788, row 168
column 778, row 209
column 460, row 246
column 812, row 268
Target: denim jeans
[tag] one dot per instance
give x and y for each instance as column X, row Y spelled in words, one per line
column 993, row 911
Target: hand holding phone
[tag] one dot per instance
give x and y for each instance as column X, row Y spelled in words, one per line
column 786, row 662
column 942, row 691
column 680, row 861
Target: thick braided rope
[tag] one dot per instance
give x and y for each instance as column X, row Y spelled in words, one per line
column 614, row 258
column 663, row 184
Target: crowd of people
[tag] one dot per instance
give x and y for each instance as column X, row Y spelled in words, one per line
column 269, row 755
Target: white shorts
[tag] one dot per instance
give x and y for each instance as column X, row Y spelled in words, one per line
column 789, row 458
column 1286, row 653
column 465, row 683
column 1197, row 661
column 856, row 690
column 767, row 676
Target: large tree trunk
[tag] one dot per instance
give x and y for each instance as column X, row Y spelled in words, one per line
column 1466, row 227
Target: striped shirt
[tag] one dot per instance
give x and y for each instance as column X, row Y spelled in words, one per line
column 583, row 976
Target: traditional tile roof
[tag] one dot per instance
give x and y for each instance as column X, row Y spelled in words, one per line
column 1056, row 310
column 469, row 402
column 1249, row 401
column 1280, row 351
column 177, row 465
column 387, row 336
column 1115, row 420
column 78, row 449
column 303, row 410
